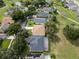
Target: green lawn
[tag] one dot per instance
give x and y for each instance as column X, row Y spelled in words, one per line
column 5, row 43
column 65, row 11
column 64, row 49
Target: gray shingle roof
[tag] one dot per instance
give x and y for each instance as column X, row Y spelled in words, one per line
column 40, row 20
column 2, row 36
column 4, row 27
column 37, row 43
column 42, row 14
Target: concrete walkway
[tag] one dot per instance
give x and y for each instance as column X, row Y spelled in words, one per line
column 28, row 28
column 11, row 38
column 10, row 43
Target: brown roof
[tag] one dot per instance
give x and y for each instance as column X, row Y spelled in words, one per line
column 7, row 20
column 38, row 30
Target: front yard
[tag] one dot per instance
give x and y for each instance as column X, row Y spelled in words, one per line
column 5, row 43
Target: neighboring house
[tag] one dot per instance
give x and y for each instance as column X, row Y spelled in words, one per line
column 9, row 12
column 41, row 57
column 42, row 15
column 38, row 43
column 3, row 36
column 38, row 30
column 71, row 5
column 47, row 9
column 7, row 20
column 40, row 20
column 3, row 28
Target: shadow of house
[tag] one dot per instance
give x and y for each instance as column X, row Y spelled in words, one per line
column 40, row 57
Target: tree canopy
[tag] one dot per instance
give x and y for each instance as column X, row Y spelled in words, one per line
column 72, row 32
column 51, row 28
column 13, row 29
column 17, row 15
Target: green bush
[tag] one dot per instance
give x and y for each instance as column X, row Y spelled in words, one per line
column 71, row 32
column 30, row 22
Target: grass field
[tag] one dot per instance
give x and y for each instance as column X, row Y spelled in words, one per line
column 64, row 48
column 5, row 43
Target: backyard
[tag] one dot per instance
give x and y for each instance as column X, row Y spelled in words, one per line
column 64, row 49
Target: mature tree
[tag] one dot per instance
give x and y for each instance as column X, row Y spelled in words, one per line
column 31, row 8
column 39, row 2
column 26, row 2
column 13, row 29
column 55, row 11
column 2, row 3
column 20, row 47
column 72, row 32
column 7, row 54
column 23, row 34
column 51, row 29
column 18, row 15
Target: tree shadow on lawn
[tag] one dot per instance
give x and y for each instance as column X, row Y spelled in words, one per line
column 55, row 39
column 74, row 42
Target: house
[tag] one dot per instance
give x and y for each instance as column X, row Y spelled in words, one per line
column 42, row 14
column 7, row 20
column 40, row 20
column 38, row 43
column 38, row 30
column 47, row 9
column 9, row 12
column 3, row 36
column 43, row 56
column 71, row 5
column 3, row 28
